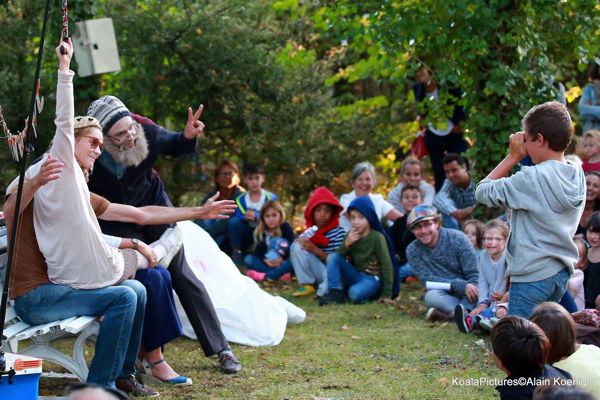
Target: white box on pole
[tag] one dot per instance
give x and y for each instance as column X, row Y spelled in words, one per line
column 96, row 50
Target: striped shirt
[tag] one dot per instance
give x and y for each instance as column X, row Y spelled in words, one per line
column 336, row 237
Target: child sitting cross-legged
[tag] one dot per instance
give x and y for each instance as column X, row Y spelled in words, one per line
column 309, row 254
column 371, row 272
column 492, row 277
column 520, row 349
column 272, row 238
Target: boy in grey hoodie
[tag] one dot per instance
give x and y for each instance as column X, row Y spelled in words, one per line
column 547, row 201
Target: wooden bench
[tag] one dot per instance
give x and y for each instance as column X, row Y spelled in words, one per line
column 43, row 336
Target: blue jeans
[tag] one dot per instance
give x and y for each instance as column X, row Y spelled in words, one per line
column 120, row 332
column 405, row 271
column 239, row 233
column 362, row 286
column 568, row 302
column 524, row 296
column 256, row 263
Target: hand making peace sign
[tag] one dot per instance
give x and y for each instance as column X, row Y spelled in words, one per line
column 194, row 127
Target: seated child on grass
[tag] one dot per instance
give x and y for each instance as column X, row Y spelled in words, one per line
column 241, row 226
column 492, row 277
column 520, row 349
column 371, row 272
column 401, row 236
column 582, row 361
column 308, row 255
column 272, row 238
column 473, row 228
column 410, row 173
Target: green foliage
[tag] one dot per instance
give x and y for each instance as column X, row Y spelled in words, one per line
column 503, row 54
column 309, row 88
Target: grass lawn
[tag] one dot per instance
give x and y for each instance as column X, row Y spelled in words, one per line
column 369, row 351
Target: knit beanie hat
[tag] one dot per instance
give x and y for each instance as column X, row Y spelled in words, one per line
column 108, row 110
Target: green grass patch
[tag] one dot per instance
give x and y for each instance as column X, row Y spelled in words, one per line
column 369, row 351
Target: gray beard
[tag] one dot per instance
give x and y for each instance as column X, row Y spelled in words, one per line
column 132, row 157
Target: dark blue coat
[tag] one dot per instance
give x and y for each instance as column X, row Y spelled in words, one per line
column 140, row 186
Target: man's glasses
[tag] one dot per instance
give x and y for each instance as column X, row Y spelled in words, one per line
column 120, row 137
column 94, row 142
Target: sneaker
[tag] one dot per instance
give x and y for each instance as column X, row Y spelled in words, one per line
column 287, row 277
column 486, row 325
column 228, row 363
column 462, row 319
column 304, row 291
column 435, row 315
column 334, row 296
column 255, row 275
column 173, row 241
column 132, row 387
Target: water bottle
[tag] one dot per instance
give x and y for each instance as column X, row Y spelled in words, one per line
column 309, row 232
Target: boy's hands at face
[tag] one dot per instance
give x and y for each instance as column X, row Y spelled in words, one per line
column 516, row 146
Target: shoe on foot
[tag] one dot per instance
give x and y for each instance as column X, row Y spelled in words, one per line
column 178, row 380
column 132, row 387
column 228, row 363
column 435, row 315
column 462, row 319
column 287, row 277
column 173, row 241
column 303, row 291
column 334, row 296
column 486, row 325
column 255, row 275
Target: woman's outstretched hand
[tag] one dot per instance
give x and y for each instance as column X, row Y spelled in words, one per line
column 64, row 60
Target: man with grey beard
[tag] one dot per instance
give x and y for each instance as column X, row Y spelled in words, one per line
column 124, row 174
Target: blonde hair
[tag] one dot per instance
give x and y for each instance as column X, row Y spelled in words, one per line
column 261, row 228
column 594, row 135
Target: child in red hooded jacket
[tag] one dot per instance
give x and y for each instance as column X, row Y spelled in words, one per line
column 309, row 255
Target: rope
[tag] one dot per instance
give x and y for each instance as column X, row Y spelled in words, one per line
column 28, row 147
